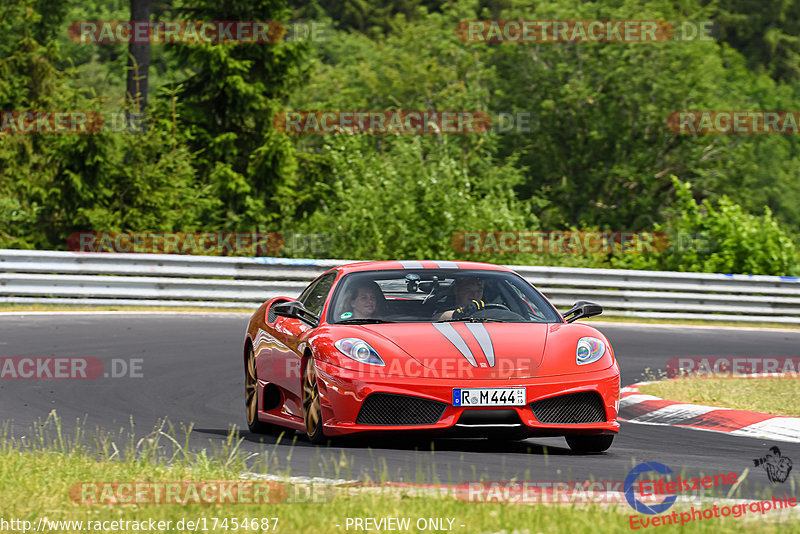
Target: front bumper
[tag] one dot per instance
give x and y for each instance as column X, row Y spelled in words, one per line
column 343, row 392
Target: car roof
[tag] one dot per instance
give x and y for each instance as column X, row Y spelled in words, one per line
column 417, row 264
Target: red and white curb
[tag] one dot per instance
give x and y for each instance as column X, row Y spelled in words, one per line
column 635, row 407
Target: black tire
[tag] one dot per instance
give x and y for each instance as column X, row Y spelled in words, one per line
column 590, row 444
column 251, row 396
column 312, row 407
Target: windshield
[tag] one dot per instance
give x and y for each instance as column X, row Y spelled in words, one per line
column 429, row 295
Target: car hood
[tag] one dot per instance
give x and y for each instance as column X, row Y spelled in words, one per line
column 470, row 350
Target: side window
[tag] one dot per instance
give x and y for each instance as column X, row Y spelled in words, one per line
column 314, row 297
column 532, row 309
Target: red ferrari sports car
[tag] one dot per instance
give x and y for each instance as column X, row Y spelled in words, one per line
column 450, row 348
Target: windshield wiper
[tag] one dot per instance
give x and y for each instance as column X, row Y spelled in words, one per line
column 363, row 321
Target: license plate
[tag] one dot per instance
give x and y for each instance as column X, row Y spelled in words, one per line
column 488, row 396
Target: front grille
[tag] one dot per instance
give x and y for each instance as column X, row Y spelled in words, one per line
column 583, row 407
column 504, row 417
column 391, row 409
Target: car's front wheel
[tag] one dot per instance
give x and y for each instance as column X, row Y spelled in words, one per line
column 312, row 407
column 590, row 443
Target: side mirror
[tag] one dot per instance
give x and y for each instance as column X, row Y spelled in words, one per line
column 582, row 309
column 296, row 310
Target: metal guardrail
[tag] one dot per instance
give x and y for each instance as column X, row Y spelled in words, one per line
column 234, row 282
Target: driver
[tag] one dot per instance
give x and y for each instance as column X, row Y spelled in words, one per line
column 469, row 294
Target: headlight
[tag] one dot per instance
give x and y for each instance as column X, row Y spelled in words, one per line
column 590, row 349
column 359, row 350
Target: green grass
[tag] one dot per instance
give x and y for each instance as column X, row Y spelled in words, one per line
column 777, row 396
column 37, row 472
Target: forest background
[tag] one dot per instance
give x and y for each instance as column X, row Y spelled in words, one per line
column 597, row 154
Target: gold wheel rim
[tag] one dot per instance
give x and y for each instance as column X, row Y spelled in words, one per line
column 311, row 403
column 251, row 388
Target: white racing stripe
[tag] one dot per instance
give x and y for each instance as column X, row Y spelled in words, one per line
column 446, row 264
column 411, row 264
column 447, row 330
column 484, row 340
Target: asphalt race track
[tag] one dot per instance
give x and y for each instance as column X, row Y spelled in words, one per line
column 191, row 372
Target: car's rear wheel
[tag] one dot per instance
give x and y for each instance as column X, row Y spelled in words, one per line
column 590, row 443
column 312, row 407
column 251, row 395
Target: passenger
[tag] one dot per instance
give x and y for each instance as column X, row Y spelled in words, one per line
column 364, row 300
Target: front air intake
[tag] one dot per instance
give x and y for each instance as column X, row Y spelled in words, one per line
column 505, row 417
column 391, row 409
column 574, row 408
